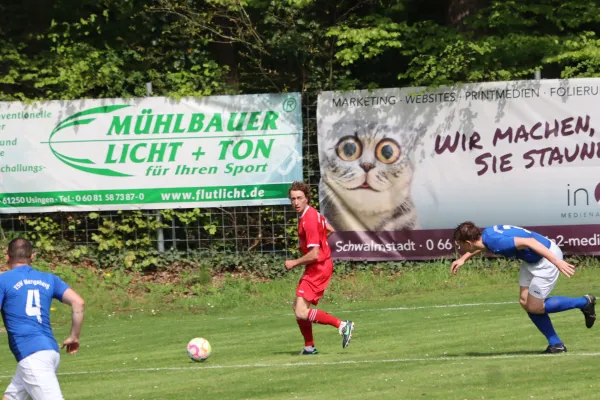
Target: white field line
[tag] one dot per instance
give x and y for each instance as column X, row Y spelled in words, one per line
column 317, row 364
column 389, row 309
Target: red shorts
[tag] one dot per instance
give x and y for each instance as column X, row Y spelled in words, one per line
column 314, row 281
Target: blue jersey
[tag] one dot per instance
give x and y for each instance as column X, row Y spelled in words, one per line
column 25, row 298
column 500, row 239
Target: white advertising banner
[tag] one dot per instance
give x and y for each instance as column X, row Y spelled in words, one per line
column 155, row 152
column 401, row 167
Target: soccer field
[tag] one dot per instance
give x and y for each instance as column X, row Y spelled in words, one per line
column 474, row 343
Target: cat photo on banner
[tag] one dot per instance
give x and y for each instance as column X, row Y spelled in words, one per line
column 366, row 177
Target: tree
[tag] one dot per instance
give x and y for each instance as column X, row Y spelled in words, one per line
column 192, row 47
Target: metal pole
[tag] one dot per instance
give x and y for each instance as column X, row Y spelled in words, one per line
column 160, row 236
column 149, row 88
column 538, row 75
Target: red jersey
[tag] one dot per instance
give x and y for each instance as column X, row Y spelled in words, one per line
column 312, row 232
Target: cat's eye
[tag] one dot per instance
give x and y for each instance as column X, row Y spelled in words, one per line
column 349, row 148
column 387, row 151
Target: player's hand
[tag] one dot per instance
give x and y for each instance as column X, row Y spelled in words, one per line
column 72, row 345
column 565, row 268
column 456, row 264
column 289, row 264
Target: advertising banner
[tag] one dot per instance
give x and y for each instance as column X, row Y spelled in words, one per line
column 148, row 153
column 401, row 168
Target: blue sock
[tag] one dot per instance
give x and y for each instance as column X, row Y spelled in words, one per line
column 560, row 303
column 543, row 323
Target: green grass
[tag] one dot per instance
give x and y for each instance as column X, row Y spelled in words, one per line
column 404, row 345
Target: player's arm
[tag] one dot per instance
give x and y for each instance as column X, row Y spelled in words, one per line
column 456, row 264
column 539, row 248
column 467, row 256
column 308, row 258
column 329, row 228
column 311, row 233
column 70, row 297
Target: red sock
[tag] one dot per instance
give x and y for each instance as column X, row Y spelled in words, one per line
column 321, row 317
column 306, row 330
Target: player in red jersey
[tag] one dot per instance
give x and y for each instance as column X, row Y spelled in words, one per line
column 313, row 231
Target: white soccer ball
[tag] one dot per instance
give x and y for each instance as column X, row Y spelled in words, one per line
column 198, row 349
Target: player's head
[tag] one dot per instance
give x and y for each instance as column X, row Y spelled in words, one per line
column 467, row 236
column 299, row 195
column 19, row 252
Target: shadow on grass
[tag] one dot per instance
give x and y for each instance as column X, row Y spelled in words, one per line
column 289, row 353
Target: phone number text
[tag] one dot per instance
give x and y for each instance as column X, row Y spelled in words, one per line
column 71, row 199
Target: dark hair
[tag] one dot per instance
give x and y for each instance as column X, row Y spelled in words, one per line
column 300, row 186
column 467, row 231
column 20, row 250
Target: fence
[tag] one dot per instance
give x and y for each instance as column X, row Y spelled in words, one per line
column 234, row 229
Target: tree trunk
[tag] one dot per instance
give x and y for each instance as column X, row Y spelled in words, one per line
column 226, row 55
column 458, row 10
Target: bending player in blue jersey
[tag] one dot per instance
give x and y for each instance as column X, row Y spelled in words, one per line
column 25, row 298
column 542, row 263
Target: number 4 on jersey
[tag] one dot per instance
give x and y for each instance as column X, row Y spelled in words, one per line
column 33, row 295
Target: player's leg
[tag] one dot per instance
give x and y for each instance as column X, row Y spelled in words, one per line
column 314, row 290
column 548, row 276
column 541, row 321
column 585, row 303
column 39, row 375
column 305, row 327
column 16, row 388
column 304, row 312
column 308, row 293
column 534, row 306
column 15, row 394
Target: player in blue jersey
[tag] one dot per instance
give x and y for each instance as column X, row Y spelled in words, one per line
column 542, row 262
column 25, row 298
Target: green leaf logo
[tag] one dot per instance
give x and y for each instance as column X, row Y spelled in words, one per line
column 85, row 118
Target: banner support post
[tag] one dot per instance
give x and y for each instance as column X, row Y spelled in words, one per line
column 160, row 237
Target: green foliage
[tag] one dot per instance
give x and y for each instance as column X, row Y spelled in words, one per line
column 117, row 279
column 196, row 277
column 187, row 217
column 108, row 49
column 369, row 39
column 111, row 48
column 127, row 241
column 43, row 232
column 503, row 40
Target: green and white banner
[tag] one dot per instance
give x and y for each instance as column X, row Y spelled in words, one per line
column 147, row 153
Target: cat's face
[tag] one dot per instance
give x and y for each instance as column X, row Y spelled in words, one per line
column 366, row 161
